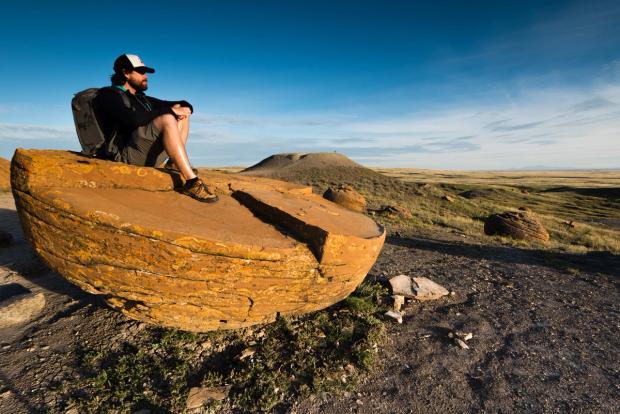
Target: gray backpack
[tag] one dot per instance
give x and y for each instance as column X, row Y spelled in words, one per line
column 94, row 143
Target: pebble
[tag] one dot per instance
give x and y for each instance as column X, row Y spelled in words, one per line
column 396, row 316
column 247, row 352
column 399, row 301
column 461, row 343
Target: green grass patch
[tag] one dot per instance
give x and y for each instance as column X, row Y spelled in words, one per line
column 321, row 352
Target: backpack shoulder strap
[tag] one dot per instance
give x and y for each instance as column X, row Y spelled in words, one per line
column 124, row 97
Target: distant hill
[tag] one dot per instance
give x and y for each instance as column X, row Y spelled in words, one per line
column 321, row 170
column 325, row 169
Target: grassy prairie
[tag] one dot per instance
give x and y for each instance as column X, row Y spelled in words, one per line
column 588, row 199
column 580, row 178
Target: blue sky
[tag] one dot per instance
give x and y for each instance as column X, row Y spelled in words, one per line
column 449, row 85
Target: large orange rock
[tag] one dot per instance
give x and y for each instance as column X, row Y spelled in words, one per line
column 266, row 248
column 5, row 180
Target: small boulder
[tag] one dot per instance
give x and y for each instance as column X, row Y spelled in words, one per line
column 198, row 396
column 518, row 225
column 18, row 304
column 448, row 198
column 426, row 289
column 394, row 211
column 419, row 288
column 402, row 286
column 346, row 197
column 395, row 316
column 397, row 302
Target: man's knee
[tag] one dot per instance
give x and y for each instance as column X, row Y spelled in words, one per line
column 165, row 120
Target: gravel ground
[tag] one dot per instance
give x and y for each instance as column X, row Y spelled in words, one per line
column 544, row 325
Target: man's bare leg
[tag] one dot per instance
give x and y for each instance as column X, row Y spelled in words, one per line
column 174, row 143
column 184, row 128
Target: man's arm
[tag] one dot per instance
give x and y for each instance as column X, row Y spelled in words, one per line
column 111, row 102
column 158, row 103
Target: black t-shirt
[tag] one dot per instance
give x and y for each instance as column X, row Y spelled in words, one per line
column 114, row 115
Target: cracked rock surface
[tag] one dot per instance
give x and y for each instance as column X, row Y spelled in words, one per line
column 267, row 248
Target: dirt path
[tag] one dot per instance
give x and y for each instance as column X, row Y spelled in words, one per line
column 545, row 331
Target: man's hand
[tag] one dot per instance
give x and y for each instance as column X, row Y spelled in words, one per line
column 181, row 112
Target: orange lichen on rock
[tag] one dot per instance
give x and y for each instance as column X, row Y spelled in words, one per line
column 266, row 248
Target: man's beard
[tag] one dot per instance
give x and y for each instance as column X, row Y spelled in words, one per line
column 139, row 86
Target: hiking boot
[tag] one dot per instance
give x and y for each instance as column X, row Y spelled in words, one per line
column 199, row 191
column 170, row 165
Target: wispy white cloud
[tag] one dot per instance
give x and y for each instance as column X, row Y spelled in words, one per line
column 554, row 127
column 24, row 132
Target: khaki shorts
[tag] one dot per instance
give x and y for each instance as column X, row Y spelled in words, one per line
column 145, row 147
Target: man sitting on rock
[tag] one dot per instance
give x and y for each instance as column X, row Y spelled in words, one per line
column 149, row 129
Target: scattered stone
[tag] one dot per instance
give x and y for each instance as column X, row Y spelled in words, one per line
column 198, row 396
column 206, row 345
column 394, row 211
column 359, row 402
column 460, row 338
column 518, row 225
column 402, row 286
column 6, row 238
column 452, row 293
column 398, row 302
column 346, row 197
column 448, row 198
column 18, row 304
column 461, row 343
column 426, row 289
column 247, row 352
column 396, row 316
column 72, row 410
column 419, row 288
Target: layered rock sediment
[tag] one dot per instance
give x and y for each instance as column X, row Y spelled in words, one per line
column 520, row 225
column 267, row 248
